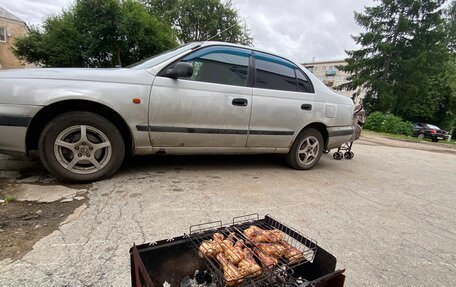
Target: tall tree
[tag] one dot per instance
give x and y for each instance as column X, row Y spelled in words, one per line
column 96, row 33
column 199, row 20
column 57, row 44
column 403, row 60
column 451, row 26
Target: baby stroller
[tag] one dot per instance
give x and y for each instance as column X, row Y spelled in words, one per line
column 359, row 118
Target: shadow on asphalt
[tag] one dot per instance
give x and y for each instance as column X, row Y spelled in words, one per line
column 219, row 162
column 33, row 169
column 209, row 162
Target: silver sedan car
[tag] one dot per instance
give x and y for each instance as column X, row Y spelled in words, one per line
column 201, row 98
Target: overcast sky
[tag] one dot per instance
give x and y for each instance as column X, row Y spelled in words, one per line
column 300, row 29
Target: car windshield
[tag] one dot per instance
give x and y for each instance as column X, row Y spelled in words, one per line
column 157, row 59
column 433, row 127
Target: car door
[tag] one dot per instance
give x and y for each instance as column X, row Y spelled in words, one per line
column 209, row 109
column 283, row 101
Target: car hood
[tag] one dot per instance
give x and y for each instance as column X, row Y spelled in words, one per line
column 114, row 75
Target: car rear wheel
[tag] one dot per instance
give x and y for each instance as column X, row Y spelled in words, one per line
column 306, row 150
column 81, row 147
column 421, row 136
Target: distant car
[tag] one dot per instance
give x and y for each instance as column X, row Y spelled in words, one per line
column 201, row 98
column 423, row 130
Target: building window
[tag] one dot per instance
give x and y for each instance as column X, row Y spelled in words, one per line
column 2, row 34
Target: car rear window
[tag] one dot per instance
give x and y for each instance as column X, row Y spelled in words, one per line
column 274, row 73
column 304, row 84
column 433, row 127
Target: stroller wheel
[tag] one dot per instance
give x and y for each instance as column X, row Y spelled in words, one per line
column 326, row 151
column 338, row 155
column 349, row 155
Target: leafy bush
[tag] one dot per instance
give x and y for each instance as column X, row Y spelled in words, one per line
column 374, row 121
column 387, row 123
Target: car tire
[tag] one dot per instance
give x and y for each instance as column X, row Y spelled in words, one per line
column 421, row 136
column 435, row 140
column 306, row 150
column 81, row 146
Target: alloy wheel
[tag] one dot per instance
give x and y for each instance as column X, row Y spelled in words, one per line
column 82, row 149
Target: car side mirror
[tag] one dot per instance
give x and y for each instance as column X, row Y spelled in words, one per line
column 180, row 70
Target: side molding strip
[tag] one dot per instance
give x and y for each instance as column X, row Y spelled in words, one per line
column 145, row 128
column 14, row 121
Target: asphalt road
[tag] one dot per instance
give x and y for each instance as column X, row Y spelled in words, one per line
column 388, row 215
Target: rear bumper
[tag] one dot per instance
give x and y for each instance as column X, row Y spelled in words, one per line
column 339, row 135
column 437, row 136
column 14, row 121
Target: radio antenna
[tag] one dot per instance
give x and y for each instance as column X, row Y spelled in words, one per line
column 218, row 33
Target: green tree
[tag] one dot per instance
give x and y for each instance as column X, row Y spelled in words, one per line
column 57, row 46
column 403, row 62
column 451, row 26
column 199, row 20
column 96, row 33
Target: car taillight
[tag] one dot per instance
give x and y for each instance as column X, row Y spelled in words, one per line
column 433, row 131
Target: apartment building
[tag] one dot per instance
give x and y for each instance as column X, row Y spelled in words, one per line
column 11, row 27
column 332, row 77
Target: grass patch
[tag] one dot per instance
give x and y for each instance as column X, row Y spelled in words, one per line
column 9, row 198
column 407, row 138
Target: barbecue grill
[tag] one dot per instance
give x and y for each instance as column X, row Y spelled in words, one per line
column 178, row 261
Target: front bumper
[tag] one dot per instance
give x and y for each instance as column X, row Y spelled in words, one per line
column 14, row 121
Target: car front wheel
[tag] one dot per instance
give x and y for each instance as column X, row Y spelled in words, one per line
column 306, row 150
column 81, row 147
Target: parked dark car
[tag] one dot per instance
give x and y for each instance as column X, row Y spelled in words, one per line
column 423, row 130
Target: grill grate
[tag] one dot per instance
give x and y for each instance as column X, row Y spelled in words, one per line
column 269, row 274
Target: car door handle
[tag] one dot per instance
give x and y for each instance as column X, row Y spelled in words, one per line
column 306, row 107
column 240, row 102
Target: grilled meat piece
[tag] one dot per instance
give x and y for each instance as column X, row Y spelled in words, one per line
column 257, row 235
column 240, row 243
column 266, row 260
column 234, row 254
column 210, row 248
column 249, row 232
column 218, row 236
column 230, row 272
column 292, row 254
column 272, row 249
column 231, row 237
column 248, row 265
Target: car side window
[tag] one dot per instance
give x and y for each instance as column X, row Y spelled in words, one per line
column 220, row 65
column 304, row 84
column 274, row 73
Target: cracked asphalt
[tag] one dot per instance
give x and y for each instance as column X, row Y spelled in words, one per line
column 388, row 215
